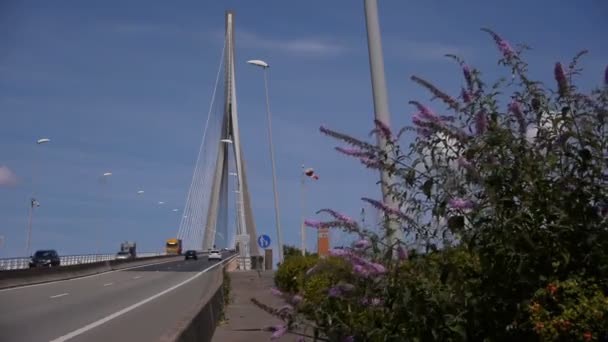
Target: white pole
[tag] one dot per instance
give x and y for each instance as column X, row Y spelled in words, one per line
column 274, row 176
column 302, row 226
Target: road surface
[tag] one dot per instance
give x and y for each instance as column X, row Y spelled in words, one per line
column 139, row 304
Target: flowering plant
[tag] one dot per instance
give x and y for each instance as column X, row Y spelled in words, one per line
column 505, row 191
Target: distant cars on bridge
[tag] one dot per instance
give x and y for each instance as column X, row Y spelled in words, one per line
column 45, row 258
column 214, row 254
column 191, row 254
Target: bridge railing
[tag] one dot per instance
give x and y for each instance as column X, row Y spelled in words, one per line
column 8, row 264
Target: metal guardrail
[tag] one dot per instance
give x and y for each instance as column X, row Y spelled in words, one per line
column 9, row 264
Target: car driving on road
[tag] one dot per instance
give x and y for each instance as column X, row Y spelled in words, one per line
column 124, row 256
column 214, row 254
column 191, row 254
column 45, row 258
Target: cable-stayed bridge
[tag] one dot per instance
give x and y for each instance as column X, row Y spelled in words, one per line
column 205, row 220
column 96, row 298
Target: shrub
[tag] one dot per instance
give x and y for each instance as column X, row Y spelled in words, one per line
column 572, row 310
column 496, row 198
column 290, row 274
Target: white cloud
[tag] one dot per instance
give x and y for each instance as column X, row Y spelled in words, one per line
column 7, row 176
column 424, row 50
column 317, row 47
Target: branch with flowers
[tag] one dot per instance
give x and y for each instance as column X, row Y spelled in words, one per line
column 502, row 195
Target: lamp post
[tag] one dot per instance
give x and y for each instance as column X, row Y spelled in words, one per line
column 380, row 96
column 302, row 226
column 33, row 203
column 104, row 180
column 265, row 67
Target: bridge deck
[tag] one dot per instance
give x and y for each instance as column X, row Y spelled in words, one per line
column 115, row 306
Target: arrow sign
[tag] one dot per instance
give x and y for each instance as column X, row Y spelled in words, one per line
column 264, row 241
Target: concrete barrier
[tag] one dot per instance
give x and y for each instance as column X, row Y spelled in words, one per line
column 42, row 275
column 47, row 274
column 202, row 321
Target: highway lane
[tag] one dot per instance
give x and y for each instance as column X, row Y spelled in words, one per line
column 50, row 311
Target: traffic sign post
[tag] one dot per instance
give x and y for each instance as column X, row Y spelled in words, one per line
column 264, row 242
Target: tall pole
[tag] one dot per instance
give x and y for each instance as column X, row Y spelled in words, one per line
column 381, row 110
column 302, row 226
column 274, row 175
column 29, row 227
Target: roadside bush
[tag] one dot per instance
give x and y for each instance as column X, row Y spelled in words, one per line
column 289, row 276
column 503, row 193
column 570, row 310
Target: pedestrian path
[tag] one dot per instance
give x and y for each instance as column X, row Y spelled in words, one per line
column 245, row 322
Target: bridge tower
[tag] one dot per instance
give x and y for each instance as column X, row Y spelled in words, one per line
column 231, row 140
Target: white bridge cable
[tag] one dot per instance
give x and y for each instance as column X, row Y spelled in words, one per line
column 187, row 212
column 199, row 203
column 201, row 199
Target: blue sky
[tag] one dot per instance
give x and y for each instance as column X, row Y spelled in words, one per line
column 125, row 86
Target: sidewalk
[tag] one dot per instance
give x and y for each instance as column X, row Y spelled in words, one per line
column 244, row 319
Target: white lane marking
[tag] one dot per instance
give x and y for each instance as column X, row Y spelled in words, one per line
column 137, row 277
column 108, row 284
column 85, row 277
column 59, row 295
column 130, row 308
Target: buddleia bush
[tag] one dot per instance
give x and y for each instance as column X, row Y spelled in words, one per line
column 502, row 192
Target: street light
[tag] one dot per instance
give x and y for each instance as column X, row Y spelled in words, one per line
column 226, row 141
column 106, row 175
column 33, row 203
column 265, row 66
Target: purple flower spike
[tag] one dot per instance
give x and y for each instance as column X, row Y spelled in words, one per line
column 481, row 122
column 425, row 112
column 504, row 46
column 339, row 252
column 560, row 78
column 386, row 209
column 275, row 292
column 436, row 92
column 384, row 130
column 466, row 96
column 279, row 331
column 468, row 76
column 459, row 203
column 362, row 244
column 401, row 253
column 371, row 163
column 353, row 152
column 515, row 108
column 337, row 215
column 361, row 271
column 313, row 223
column 377, row 268
column 334, row 292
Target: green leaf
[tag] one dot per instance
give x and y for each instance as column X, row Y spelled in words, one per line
column 410, row 177
column 427, row 187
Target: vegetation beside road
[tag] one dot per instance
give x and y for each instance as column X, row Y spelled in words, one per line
column 503, row 200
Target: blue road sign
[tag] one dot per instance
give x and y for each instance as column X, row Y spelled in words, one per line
column 264, row 241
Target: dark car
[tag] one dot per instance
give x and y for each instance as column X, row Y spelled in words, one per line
column 191, row 255
column 45, row 258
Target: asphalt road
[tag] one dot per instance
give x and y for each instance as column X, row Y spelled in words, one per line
column 139, row 304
